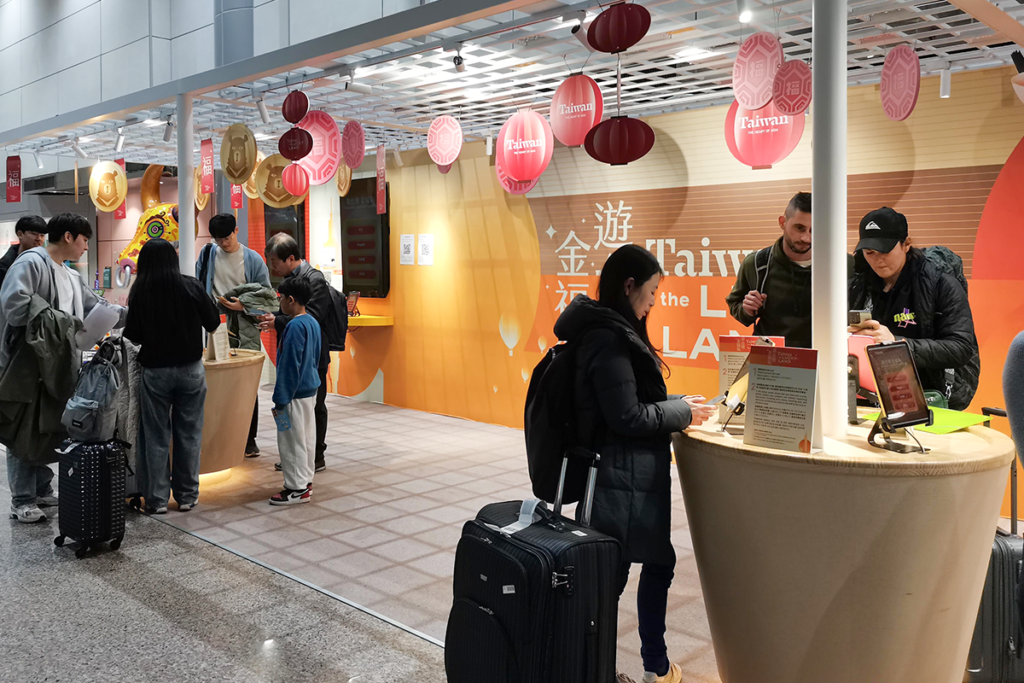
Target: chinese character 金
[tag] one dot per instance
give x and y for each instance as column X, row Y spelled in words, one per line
column 572, row 255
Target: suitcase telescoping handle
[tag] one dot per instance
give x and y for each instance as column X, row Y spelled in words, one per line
column 999, row 412
column 588, row 495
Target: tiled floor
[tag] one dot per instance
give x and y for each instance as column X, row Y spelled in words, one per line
column 387, row 514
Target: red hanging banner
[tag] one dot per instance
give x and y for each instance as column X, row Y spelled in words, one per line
column 121, row 211
column 13, row 180
column 382, row 162
column 236, row 196
column 206, row 155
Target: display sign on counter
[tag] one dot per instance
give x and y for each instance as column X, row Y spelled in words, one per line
column 781, row 401
column 407, row 250
column 425, row 253
column 732, row 354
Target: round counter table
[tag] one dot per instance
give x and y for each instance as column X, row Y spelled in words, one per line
column 231, row 387
column 853, row 565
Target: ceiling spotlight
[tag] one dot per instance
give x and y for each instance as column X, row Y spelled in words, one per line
column 580, row 32
column 78, row 150
column 398, row 158
column 38, row 159
column 490, row 145
column 745, row 9
column 119, row 143
column 264, row 114
column 459, row 62
column 360, row 88
column 168, row 130
column 945, row 83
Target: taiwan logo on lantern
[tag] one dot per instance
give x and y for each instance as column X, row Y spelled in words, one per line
column 576, row 108
column 761, row 138
column 525, row 145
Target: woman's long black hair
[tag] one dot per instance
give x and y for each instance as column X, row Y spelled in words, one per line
column 159, row 290
column 630, row 261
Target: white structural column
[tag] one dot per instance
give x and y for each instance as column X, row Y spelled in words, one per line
column 186, row 188
column 829, row 189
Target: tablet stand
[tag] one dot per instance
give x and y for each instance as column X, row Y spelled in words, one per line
column 887, row 431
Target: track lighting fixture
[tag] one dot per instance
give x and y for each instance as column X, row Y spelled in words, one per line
column 38, row 159
column 262, row 106
column 78, row 150
column 458, row 61
column 360, row 88
column 119, row 143
column 490, row 145
column 168, row 130
column 580, row 33
column 745, row 10
column 398, row 158
column 945, row 83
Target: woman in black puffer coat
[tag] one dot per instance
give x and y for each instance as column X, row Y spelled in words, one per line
column 624, row 413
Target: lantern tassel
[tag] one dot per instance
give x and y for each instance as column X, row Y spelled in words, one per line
column 618, row 86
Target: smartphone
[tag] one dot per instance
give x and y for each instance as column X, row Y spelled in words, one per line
column 858, row 318
column 255, row 312
column 899, row 384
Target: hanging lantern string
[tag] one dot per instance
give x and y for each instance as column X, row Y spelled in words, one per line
column 618, row 85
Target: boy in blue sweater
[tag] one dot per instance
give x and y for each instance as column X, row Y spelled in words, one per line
column 295, row 393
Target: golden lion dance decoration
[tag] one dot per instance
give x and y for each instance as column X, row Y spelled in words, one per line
column 158, row 221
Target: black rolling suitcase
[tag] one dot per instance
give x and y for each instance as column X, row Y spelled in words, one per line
column 91, row 503
column 536, row 596
column 995, row 654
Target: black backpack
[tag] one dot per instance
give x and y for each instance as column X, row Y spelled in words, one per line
column 550, row 425
column 947, row 262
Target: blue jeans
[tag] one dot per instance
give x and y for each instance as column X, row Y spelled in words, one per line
column 27, row 481
column 172, row 407
column 651, row 604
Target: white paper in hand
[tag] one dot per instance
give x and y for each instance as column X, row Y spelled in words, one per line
column 101, row 319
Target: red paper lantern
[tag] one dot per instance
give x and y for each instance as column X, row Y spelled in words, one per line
column 321, row 163
column 753, row 72
column 295, row 106
column 444, row 140
column 619, row 140
column 619, row 27
column 763, row 137
column 444, row 168
column 791, row 92
column 353, row 144
column 295, row 144
column 295, row 180
column 901, row 82
column 525, row 145
column 576, row 108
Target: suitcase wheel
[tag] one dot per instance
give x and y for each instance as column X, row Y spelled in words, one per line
column 59, row 541
column 80, row 553
column 115, row 544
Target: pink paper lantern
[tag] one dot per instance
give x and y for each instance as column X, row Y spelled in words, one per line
column 353, row 144
column 753, row 72
column 511, row 185
column 525, row 145
column 619, row 27
column 576, row 108
column 763, row 137
column 901, row 82
column 444, row 140
column 619, row 140
column 295, row 180
column 791, row 92
column 295, row 106
column 295, row 144
column 444, row 168
column 321, row 164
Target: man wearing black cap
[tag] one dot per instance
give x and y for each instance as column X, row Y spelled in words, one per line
column 917, row 295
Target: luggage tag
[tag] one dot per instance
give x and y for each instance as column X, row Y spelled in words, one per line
column 281, row 419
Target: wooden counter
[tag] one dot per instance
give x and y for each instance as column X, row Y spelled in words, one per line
column 854, row 565
column 231, row 387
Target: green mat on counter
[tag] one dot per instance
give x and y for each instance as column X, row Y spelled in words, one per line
column 946, row 421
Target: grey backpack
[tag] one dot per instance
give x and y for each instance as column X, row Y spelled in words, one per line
column 90, row 416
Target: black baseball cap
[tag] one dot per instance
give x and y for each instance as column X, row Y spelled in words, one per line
column 881, row 230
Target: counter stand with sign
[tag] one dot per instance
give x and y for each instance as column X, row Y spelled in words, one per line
column 231, row 388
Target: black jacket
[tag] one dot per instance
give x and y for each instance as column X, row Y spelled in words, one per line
column 928, row 308
column 169, row 342
column 319, row 307
column 7, row 261
column 623, row 412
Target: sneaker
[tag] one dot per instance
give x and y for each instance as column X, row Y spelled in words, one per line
column 162, row 510
column 277, row 467
column 49, row 501
column 28, row 514
column 319, row 468
column 290, row 497
column 185, row 507
column 253, row 452
column 674, row 675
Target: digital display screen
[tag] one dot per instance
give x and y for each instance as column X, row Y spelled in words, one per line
column 899, row 385
column 365, row 241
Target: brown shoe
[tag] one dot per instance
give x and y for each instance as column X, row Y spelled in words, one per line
column 623, row 678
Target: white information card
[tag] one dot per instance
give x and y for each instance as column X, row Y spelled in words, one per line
column 426, row 250
column 407, row 251
column 780, row 403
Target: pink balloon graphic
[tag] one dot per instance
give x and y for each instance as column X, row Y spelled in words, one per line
column 901, row 82
column 763, row 137
column 525, row 145
column 444, row 140
column 753, row 73
column 576, row 108
column 353, row 144
column 791, row 92
column 321, row 164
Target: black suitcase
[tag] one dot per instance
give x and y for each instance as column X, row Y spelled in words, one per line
column 91, row 503
column 995, row 655
column 536, row 596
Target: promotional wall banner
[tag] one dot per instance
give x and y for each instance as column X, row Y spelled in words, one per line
column 236, row 196
column 206, row 164
column 619, row 27
column 576, row 108
column 343, row 178
column 525, row 145
column 295, row 144
column 510, row 184
column 295, row 180
column 353, row 144
column 753, row 72
column 108, row 186
column 382, row 162
column 238, row 154
column 14, row 180
column 202, row 197
column 122, row 210
column 791, row 92
column 270, row 182
column 322, row 162
column 901, row 82
column 249, row 184
column 764, row 137
column 295, row 106
column 444, row 140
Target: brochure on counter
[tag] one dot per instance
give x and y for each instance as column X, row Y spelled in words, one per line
column 732, row 354
column 782, row 398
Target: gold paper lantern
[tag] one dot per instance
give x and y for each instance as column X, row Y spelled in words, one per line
column 249, row 186
column 238, row 155
column 202, row 199
column 108, row 186
column 344, row 179
column 270, row 184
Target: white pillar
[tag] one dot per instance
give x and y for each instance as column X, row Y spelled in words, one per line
column 186, row 188
column 828, row 185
